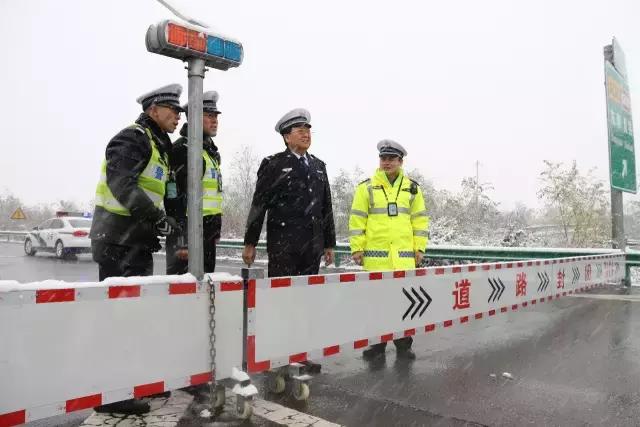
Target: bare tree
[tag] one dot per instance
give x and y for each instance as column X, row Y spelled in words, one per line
column 578, row 202
column 238, row 191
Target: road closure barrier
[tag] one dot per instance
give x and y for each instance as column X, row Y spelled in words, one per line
column 71, row 346
column 294, row 319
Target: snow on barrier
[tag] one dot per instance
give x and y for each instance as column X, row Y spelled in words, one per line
column 293, row 319
column 72, row 346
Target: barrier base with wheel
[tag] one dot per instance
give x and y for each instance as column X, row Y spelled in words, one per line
column 294, row 377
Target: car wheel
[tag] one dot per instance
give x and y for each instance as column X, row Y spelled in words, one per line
column 60, row 251
column 28, row 248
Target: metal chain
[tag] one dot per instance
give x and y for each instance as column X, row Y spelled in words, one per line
column 212, row 341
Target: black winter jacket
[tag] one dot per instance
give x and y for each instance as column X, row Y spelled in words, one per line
column 177, row 207
column 297, row 203
column 127, row 155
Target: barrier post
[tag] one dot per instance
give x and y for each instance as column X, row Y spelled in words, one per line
column 247, row 274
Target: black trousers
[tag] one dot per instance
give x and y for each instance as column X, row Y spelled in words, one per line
column 293, row 264
column 121, row 261
column 401, row 344
column 179, row 266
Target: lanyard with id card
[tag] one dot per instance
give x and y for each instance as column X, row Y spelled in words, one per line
column 392, row 207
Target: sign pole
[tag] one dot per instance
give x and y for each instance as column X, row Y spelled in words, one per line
column 196, row 67
column 622, row 169
column 617, row 220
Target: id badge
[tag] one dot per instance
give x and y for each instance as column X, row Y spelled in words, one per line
column 392, row 209
column 172, row 190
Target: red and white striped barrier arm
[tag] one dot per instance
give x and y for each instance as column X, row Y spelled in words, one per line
column 67, row 347
column 294, row 319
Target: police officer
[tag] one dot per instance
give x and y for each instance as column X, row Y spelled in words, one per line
column 129, row 213
column 211, row 191
column 293, row 190
column 388, row 226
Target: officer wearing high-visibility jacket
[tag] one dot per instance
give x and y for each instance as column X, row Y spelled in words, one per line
column 388, row 225
column 177, row 262
column 129, row 213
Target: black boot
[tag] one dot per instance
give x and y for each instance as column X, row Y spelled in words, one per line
column 406, row 353
column 165, row 395
column 127, row 407
column 374, row 352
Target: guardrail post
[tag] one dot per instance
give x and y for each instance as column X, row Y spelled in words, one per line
column 247, row 275
column 627, row 273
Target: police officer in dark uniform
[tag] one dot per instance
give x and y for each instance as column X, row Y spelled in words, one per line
column 293, row 190
column 177, row 262
column 129, row 213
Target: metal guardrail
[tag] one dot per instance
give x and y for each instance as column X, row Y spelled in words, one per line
column 439, row 252
column 476, row 253
column 8, row 236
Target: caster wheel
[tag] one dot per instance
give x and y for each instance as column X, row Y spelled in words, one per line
column 301, row 392
column 244, row 410
column 277, row 384
column 220, row 398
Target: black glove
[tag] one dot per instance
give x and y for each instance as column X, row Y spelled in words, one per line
column 167, row 226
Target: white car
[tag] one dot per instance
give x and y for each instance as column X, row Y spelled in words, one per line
column 65, row 236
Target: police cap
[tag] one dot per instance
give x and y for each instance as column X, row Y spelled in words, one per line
column 388, row 147
column 294, row 117
column 167, row 95
column 209, row 103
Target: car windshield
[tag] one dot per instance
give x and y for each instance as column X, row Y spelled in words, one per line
column 80, row 223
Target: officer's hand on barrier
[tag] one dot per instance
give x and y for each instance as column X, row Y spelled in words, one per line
column 249, row 254
column 328, row 256
column 419, row 257
column 357, row 257
column 182, row 253
column 167, row 226
column 182, row 250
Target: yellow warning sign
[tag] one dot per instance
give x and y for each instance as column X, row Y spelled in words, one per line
column 18, row 214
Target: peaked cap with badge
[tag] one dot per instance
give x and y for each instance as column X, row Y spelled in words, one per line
column 294, row 117
column 389, row 147
column 168, row 95
column 209, row 103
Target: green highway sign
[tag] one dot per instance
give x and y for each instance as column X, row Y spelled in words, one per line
column 622, row 158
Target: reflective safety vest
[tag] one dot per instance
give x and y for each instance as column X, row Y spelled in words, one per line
column 152, row 180
column 388, row 222
column 211, row 186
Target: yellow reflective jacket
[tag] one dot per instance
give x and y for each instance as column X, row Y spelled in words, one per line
column 211, row 192
column 152, row 180
column 388, row 242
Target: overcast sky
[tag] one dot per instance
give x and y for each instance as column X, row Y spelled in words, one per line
column 506, row 83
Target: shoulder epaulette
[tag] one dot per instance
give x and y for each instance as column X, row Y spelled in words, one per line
column 413, row 188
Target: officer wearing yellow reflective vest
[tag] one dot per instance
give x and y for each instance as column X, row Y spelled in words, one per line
column 129, row 213
column 388, row 225
column 177, row 262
